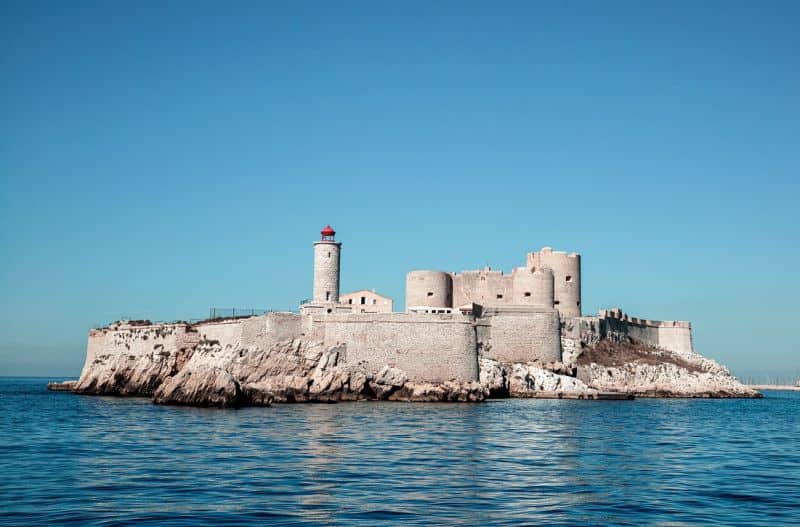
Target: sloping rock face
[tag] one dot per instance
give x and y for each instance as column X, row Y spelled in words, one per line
column 125, row 359
column 531, row 380
column 205, row 386
column 646, row 371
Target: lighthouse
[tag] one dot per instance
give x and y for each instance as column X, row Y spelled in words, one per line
column 326, row 267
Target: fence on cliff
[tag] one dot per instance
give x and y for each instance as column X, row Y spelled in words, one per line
column 215, row 313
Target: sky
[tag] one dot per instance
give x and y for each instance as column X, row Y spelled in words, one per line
column 161, row 158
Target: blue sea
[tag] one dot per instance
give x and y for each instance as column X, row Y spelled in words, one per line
column 79, row 460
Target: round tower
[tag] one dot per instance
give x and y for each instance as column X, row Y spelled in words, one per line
column 326, row 267
column 566, row 278
column 429, row 289
column 543, row 287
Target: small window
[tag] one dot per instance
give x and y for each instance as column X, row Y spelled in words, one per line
column 330, row 310
column 527, row 293
column 363, row 300
column 499, row 296
column 483, row 278
column 327, row 295
column 350, row 301
column 329, row 254
column 374, row 301
column 569, row 278
column 430, row 293
column 556, row 302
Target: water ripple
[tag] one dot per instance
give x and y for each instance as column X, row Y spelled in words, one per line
column 103, row 461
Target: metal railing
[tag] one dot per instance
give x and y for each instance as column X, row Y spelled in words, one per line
column 235, row 312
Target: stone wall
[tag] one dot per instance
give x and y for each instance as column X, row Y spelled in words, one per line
column 133, row 359
column 429, row 348
column 528, row 334
column 672, row 335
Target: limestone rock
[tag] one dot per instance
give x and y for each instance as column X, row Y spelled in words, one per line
column 527, row 380
column 441, row 392
column 127, row 359
column 206, row 386
column 654, row 372
column 493, row 377
column 387, row 381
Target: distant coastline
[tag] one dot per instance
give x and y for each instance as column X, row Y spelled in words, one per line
column 774, row 387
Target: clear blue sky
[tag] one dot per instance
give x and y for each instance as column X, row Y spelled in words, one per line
column 156, row 160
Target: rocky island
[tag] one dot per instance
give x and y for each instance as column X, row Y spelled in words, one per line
column 463, row 337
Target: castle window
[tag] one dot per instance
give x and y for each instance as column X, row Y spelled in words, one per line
column 329, row 254
column 556, row 302
column 499, row 296
column 527, row 293
column 349, row 300
column 569, row 278
column 363, row 300
column 430, row 293
column 327, row 295
column 483, row 278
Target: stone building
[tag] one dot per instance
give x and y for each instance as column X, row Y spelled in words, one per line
column 549, row 279
column 366, row 301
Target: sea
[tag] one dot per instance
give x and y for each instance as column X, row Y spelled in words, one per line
column 67, row 459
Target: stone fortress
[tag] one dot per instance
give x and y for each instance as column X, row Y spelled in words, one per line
column 452, row 319
column 463, row 337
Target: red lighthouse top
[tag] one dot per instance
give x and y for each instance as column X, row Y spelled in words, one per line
column 328, row 233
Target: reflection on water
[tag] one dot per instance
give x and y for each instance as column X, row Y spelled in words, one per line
column 111, row 461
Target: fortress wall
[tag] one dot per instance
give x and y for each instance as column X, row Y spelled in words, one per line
column 283, row 326
column 429, row 348
column 482, row 287
column 676, row 338
column 227, row 332
column 523, row 287
column 254, row 332
column 429, row 289
column 527, row 336
column 672, row 335
column 137, row 341
column 143, row 354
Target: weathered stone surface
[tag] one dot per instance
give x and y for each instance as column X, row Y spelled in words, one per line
column 130, row 359
column 645, row 371
column 387, row 381
column 206, row 386
column 527, row 380
column 442, row 392
column 494, row 377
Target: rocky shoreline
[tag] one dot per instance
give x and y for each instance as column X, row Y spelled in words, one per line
column 206, row 373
